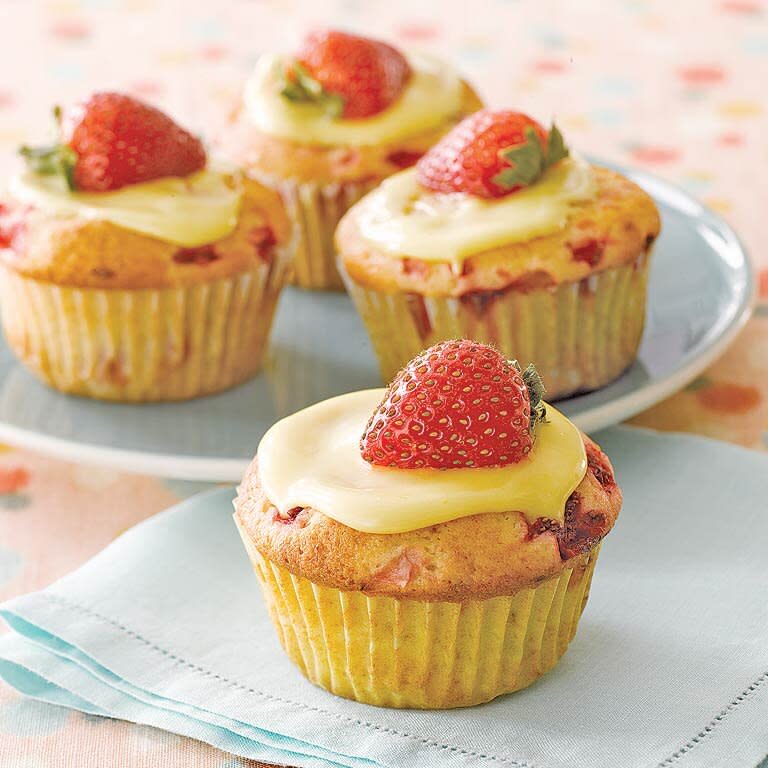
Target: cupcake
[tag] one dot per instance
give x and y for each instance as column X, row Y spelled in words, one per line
column 132, row 270
column 430, row 545
column 327, row 124
column 503, row 235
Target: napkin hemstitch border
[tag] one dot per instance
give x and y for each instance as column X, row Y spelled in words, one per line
column 677, row 755
column 263, row 694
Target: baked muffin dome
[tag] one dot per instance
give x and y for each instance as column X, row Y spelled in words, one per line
column 85, row 252
column 477, row 557
column 612, row 229
column 552, row 270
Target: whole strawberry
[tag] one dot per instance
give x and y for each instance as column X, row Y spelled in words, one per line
column 457, row 404
column 491, row 154
column 348, row 75
column 113, row 140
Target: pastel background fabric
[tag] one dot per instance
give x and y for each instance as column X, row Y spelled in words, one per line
column 676, row 88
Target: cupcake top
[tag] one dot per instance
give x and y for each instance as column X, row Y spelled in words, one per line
column 497, row 201
column 346, row 90
column 123, row 178
column 343, row 108
column 456, row 481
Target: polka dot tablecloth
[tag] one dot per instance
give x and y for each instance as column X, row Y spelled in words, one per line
column 677, row 88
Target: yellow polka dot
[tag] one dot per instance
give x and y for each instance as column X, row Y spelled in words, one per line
column 699, row 175
column 719, row 204
column 581, row 46
column 740, row 109
column 654, row 22
column 528, row 85
column 12, row 138
column 574, row 122
column 173, row 57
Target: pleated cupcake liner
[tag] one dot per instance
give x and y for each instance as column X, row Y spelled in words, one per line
column 421, row 654
column 580, row 335
column 142, row 345
column 315, row 210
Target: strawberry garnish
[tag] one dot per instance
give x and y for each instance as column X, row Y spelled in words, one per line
column 113, row 140
column 491, row 154
column 347, row 75
column 457, row 404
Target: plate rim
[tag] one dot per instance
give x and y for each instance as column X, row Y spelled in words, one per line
column 227, row 470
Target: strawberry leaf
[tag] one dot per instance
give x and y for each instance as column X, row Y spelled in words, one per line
column 530, row 159
column 527, row 161
column 54, row 159
column 299, row 86
column 536, row 390
column 556, row 148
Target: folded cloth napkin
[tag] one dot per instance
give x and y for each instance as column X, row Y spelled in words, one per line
column 669, row 667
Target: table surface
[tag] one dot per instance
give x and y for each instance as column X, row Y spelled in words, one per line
column 627, row 80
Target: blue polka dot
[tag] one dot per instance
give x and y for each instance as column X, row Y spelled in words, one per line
column 607, row 116
column 10, row 565
column 614, row 86
column 207, row 29
column 474, row 52
column 27, row 717
column 547, row 36
column 67, row 70
column 694, row 94
column 14, row 500
column 757, row 45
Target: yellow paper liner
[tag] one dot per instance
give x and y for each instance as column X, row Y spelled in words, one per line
column 315, row 210
column 142, row 345
column 419, row 654
column 580, row 335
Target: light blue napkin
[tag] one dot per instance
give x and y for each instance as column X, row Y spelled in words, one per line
column 669, row 667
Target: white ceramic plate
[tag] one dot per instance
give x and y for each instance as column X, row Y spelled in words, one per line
column 701, row 292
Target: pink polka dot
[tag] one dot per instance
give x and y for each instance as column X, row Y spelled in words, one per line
column 416, row 31
column 70, row 29
column 762, row 282
column 7, row 99
column 702, row 75
column 741, row 6
column 146, row 88
column 549, row 66
column 655, row 154
column 730, row 139
column 13, row 479
column 213, row 52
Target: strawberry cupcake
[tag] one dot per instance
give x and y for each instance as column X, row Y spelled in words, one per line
column 328, row 123
column 430, row 545
column 132, row 269
column 502, row 234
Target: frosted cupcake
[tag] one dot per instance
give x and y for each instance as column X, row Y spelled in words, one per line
column 431, row 545
column 130, row 268
column 503, row 235
column 327, row 124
